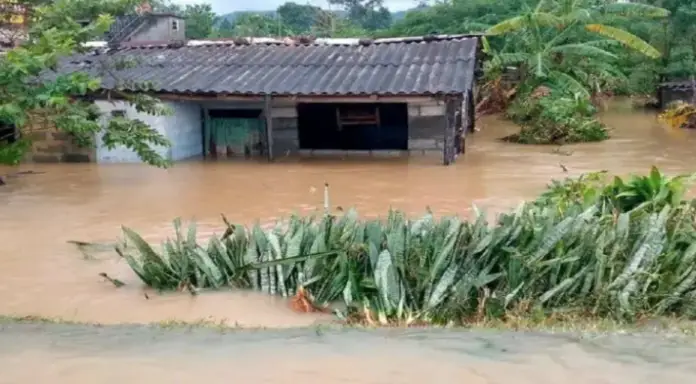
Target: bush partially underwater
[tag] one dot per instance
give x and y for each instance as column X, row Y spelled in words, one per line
column 549, row 119
column 594, row 246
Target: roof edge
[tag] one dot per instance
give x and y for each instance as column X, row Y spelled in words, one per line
column 289, row 41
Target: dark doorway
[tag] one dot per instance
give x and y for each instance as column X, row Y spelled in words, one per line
column 235, row 113
column 356, row 126
column 8, row 133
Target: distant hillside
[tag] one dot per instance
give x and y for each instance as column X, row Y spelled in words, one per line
column 233, row 16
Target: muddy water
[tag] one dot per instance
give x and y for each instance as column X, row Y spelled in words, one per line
column 40, row 274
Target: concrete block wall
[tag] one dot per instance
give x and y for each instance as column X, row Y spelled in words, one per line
column 426, row 124
column 426, row 128
column 121, row 154
column 286, row 137
column 183, row 128
column 52, row 146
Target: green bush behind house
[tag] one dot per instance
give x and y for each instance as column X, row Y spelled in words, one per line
column 609, row 248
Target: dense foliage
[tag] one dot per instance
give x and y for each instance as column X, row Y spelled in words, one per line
column 550, row 119
column 618, row 248
column 55, row 32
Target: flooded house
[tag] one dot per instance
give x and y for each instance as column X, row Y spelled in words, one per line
column 279, row 97
column 679, row 90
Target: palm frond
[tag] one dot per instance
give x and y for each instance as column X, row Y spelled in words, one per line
column 566, row 83
column 507, row 59
column 522, row 22
column 628, row 39
column 635, row 10
column 581, row 49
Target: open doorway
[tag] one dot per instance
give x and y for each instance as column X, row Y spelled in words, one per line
column 233, row 132
column 8, row 133
column 355, row 126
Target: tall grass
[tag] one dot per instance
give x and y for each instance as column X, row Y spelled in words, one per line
column 621, row 249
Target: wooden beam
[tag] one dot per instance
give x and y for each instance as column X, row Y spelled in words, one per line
column 470, row 112
column 177, row 97
column 460, row 138
column 448, row 151
column 286, row 99
column 268, row 114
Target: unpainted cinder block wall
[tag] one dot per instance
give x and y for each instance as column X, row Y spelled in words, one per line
column 52, row 146
column 426, row 122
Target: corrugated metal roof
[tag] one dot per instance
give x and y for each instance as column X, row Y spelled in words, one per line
column 681, row 85
column 419, row 66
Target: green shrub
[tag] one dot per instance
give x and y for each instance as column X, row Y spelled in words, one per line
column 653, row 191
column 12, row 154
column 551, row 119
column 576, row 248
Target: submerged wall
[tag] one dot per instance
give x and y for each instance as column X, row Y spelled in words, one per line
column 52, row 146
column 284, row 122
column 182, row 127
column 121, row 154
column 426, row 127
column 426, row 124
column 669, row 95
column 425, row 119
column 185, row 130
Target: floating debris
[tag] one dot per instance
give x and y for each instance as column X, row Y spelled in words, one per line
column 116, row 282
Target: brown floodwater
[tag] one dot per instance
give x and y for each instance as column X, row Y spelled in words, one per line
column 41, row 274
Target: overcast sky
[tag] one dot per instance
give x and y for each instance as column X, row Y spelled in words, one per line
column 226, row 6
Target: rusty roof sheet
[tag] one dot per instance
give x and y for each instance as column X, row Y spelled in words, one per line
column 393, row 67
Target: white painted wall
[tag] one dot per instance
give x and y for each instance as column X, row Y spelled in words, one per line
column 121, row 154
column 182, row 128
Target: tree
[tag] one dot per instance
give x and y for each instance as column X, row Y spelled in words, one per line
column 552, row 44
column 297, row 17
column 165, row 6
column 331, row 25
column 368, row 14
column 675, row 37
column 199, row 21
column 256, row 25
column 456, row 17
column 224, row 29
column 31, row 85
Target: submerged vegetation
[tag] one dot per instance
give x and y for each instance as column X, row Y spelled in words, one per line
column 679, row 114
column 550, row 120
column 592, row 246
column 561, row 56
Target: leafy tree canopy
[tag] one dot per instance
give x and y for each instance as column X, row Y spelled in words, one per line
column 58, row 29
